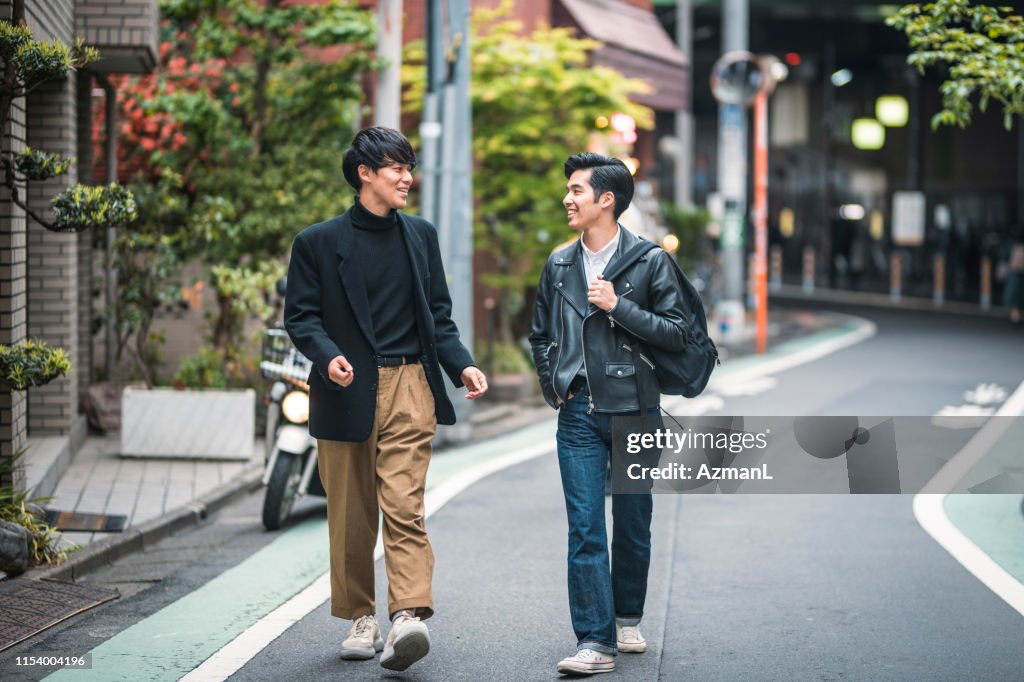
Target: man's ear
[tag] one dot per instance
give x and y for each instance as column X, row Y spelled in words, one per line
column 365, row 172
column 607, row 200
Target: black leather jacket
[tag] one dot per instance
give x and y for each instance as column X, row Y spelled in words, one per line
column 569, row 332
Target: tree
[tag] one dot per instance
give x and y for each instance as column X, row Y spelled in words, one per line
column 983, row 48
column 253, row 108
column 26, row 64
column 149, row 260
column 535, row 102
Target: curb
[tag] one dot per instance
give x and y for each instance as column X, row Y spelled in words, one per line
column 138, row 538
column 794, row 293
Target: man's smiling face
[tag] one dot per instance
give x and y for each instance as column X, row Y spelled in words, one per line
column 583, row 209
column 387, row 187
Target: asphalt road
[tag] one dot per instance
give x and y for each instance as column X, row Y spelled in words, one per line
column 742, row 587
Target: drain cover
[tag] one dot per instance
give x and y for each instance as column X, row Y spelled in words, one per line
column 96, row 523
column 39, row 604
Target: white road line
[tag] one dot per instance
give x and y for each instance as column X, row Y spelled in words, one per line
column 242, row 649
column 864, row 329
column 930, row 512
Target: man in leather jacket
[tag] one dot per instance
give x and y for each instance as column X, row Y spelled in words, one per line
column 584, row 328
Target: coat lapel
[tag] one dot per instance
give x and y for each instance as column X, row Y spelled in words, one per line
column 352, row 282
column 570, row 279
column 416, row 250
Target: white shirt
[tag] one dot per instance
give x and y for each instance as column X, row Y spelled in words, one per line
column 594, row 262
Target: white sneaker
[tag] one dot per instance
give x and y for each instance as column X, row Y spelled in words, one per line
column 364, row 640
column 587, row 662
column 408, row 642
column 629, row 639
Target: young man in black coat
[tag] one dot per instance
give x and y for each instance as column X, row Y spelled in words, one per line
column 368, row 303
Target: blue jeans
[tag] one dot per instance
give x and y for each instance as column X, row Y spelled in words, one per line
column 598, row 597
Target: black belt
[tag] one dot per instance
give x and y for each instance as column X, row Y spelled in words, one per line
column 396, row 360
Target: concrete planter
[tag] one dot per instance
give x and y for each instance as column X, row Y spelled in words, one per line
column 193, row 424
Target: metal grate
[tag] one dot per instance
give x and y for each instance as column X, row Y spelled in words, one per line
column 40, row 604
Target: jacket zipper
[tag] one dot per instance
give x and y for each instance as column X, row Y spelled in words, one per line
column 645, row 359
column 561, row 328
column 611, row 320
column 583, row 345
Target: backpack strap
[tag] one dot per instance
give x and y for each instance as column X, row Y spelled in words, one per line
column 628, row 258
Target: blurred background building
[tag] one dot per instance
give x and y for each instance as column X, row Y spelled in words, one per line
column 914, row 191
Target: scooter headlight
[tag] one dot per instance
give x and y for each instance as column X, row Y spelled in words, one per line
column 295, row 407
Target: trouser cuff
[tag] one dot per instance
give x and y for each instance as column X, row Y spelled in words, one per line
column 352, row 614
column 609, row 649
column 423, row 607
column 627, row 621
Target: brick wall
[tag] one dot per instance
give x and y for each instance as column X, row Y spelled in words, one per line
column 53, row 259
column 13, row 302
column 83, row 354
column 115, row 24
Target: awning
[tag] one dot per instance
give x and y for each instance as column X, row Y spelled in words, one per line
column 635, row 44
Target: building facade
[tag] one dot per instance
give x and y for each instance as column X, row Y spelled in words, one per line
column 46, row 278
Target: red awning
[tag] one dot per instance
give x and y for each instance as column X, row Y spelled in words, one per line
column 634, row 44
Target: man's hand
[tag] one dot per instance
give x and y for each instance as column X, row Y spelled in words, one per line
column 602, row 294
column 475, row 381
column 340, row 371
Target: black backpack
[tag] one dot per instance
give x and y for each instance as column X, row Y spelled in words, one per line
column 684, row 372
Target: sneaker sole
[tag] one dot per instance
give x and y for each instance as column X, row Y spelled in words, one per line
column 407, row 649
column 632, row 648
column 576, row 669
column 362, row 654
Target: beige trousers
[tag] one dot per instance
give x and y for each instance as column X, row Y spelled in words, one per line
column 385, row 473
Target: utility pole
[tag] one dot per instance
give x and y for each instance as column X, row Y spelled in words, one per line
column 732, row 179
column 447, row 187
column 684, row 117
column 387, row 109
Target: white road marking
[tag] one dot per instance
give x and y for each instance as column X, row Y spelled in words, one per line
column 749, row 388
column 930, row 512
column 986, row 394
column 725, row 382
column 230, row 658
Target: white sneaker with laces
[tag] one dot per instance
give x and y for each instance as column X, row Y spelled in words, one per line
column 408, row 642
column 363, row 641
column 629, row 639
column 587, row 662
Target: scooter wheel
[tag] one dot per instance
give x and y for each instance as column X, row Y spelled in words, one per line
column 282, row 489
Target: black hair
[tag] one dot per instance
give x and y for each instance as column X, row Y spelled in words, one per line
column 608, row 174
column 375, row 147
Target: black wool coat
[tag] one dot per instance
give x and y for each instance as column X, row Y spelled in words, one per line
column 327, row 313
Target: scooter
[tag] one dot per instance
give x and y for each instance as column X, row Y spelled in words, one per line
column 291, row 470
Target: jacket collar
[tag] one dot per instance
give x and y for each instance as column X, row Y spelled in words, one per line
column 570, row 277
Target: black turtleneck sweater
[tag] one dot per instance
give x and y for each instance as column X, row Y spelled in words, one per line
column 384, row 262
